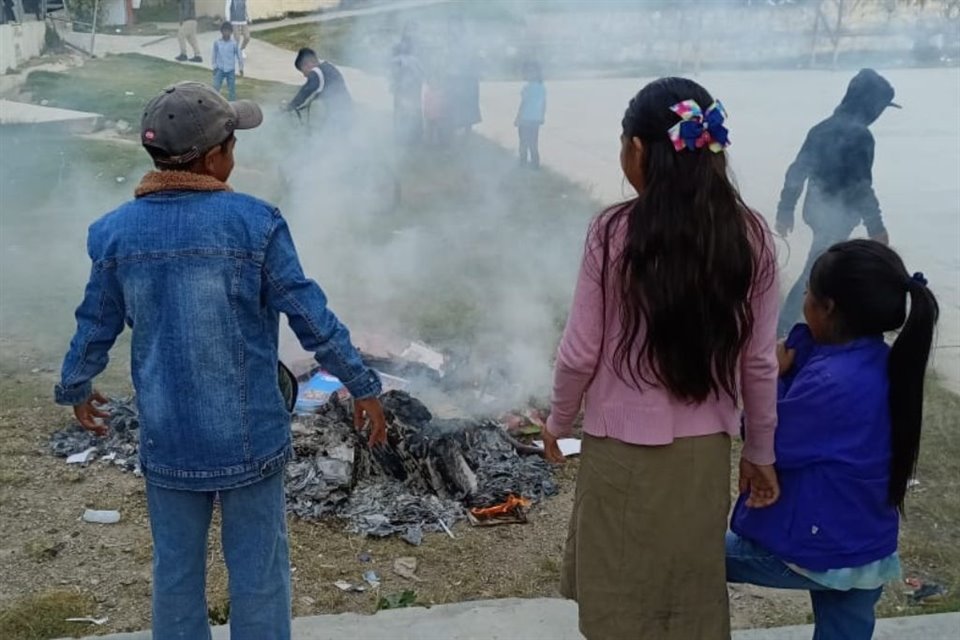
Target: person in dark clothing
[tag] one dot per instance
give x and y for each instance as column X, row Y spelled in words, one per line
column 462, row 77
column 8, row 14
column 235, row 12
column 188, row 31
column 324, row 83
column 406, row 84
column 836, row 163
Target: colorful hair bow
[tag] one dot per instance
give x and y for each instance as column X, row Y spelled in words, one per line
column 697, row 129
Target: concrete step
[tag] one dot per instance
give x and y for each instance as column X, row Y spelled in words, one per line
column 24, row 114
column 535, row 619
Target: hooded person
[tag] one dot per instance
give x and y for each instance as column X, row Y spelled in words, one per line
column 836, row 164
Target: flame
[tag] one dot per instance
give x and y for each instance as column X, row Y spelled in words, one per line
column 511, row 504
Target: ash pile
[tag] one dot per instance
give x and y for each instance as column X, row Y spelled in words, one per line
column 119, row 447
column 423, row 479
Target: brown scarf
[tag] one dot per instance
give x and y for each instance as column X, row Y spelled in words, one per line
column 156, row 181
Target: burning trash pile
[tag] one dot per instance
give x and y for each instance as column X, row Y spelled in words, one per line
column 421, row 480
column 427, row 476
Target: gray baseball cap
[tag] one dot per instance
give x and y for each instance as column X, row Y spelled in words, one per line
column 188, row 119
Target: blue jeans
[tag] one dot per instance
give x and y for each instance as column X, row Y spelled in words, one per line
column 231, row 77
column 254, row 536
column 838, row 615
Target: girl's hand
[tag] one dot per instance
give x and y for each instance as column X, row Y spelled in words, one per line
column 760, row 482
column 551, row 448
column 785, row 357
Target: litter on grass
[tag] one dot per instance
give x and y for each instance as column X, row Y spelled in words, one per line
column 83, row 457
column 406, row 567
column 94, row 516
column 90, row 620
column 568, row 446
column 349, row 587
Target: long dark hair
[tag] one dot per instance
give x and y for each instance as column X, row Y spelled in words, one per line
column 693, row 253
column 869, row 287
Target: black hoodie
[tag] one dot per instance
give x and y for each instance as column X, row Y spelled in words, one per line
column 837, row 160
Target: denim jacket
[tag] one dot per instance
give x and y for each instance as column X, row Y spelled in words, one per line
column 200, row 275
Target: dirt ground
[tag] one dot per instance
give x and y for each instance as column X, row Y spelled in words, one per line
column 45, row 547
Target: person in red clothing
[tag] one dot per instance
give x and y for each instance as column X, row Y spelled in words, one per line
column 671, row 332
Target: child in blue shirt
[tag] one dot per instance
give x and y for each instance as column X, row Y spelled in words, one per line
column 227, row 58
column 531, row 114
column 850, row 410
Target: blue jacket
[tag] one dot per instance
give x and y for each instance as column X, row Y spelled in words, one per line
column 200, row 278
column 833, row 447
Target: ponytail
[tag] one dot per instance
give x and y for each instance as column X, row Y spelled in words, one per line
column 869, row 285
column 906, row 368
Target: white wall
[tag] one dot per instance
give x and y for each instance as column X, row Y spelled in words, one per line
column 19, row 43
column 266, row 9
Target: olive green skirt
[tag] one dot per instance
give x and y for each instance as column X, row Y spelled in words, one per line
column 644, row 557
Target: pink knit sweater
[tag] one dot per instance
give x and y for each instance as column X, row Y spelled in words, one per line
column 616, row 409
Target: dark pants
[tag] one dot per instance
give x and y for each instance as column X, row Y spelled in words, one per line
column 825, row 235
column 529, row 143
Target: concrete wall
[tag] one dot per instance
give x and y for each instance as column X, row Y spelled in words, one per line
column 267, row 9
column 20, row 42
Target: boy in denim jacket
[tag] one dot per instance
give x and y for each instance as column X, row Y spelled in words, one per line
column 200, row 274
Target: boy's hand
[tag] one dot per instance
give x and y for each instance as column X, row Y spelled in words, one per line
column 365, row 409
column 783, row 228
column 760, row 481
column 785, row 357
column 89, row 412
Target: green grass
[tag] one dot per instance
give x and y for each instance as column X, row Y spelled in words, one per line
column 12, row 478
column 119, row 86
column 930, row 533
column 43, row 616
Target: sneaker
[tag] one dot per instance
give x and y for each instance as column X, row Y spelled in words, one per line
column 196, row 59
column 181, row 58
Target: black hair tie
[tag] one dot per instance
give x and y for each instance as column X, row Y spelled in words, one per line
column 918, row 278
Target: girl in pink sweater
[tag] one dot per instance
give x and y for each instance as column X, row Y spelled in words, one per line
column 671, row 334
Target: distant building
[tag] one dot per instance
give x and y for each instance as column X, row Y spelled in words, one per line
column 267, row 9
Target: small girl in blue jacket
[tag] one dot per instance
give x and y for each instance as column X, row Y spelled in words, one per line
column 850, row 410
